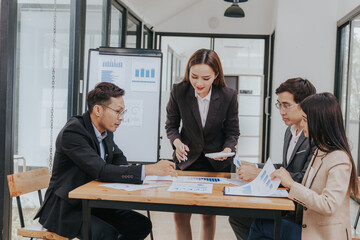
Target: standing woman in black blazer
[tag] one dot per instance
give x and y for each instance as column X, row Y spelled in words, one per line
column 208, row 111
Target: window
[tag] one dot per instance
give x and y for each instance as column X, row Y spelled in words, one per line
column 34, row 55
column 33, row 80
column 347, row 82
column 133, row 32
column 147, row 38
column 92, row 36
column 115, row 27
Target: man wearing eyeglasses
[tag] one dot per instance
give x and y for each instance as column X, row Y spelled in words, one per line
column 296, row 150
column 85, row 151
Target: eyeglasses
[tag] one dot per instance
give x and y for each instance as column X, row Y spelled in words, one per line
column 285, row 107
column 119, row 114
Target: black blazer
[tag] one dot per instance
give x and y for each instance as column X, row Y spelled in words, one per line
column 300, row 157
column 221, row 128
column 77, row 161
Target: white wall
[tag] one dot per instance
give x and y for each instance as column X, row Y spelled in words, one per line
column 305, row 44
column 346, row 6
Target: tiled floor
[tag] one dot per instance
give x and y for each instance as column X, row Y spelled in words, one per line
column 164, row 227
column 163, row 223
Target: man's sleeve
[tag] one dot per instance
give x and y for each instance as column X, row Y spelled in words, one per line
column 77, row 146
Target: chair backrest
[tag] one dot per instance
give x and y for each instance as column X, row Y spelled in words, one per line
column 29, row 181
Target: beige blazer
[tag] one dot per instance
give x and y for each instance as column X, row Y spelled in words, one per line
column 326, row 210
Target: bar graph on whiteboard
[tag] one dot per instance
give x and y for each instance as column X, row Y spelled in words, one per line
column 112, row 70
column 144, row 76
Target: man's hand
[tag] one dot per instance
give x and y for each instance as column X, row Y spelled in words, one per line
column 161, row 168
column 284, row 176
column 247, row 172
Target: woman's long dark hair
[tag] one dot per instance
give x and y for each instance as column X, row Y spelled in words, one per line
column 326, row 128
column 208, row 57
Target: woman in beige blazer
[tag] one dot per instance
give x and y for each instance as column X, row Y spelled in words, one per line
column 323, row 196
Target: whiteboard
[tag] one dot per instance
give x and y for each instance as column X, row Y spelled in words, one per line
column 138, row 72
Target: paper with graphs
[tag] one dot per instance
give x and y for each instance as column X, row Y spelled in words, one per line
column 262, row 185
column 191, row 187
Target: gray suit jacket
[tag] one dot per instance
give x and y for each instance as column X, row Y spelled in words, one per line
column 300, row 158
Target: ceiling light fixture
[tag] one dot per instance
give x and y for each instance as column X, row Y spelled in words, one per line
column 235, row 1
column 234, row 11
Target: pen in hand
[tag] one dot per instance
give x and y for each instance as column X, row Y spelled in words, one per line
column 183, row 156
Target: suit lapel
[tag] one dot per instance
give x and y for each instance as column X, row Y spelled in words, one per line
column 316, row 164
column 213, row 108
column 287, row 139
column 192, row 102
column 90, row 128
column 301, row 139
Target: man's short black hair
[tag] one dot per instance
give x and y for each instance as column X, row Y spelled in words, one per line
column 102, row 93
column 299, row 87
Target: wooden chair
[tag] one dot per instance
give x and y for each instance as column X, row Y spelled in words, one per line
column 26, row 182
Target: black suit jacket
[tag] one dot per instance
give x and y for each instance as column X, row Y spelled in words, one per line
column 221, row 129
column 77, row 161
column 300, row 157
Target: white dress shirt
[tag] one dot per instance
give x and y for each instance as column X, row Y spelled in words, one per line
column 203, row 104
column 293, row 142
column 100, row 137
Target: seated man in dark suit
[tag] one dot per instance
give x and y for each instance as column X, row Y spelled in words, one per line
column 296, row 152
column 85, row 151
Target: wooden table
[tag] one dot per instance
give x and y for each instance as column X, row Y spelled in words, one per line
column 159, row 199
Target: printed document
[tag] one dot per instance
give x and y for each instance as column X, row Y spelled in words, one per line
column 158, row 178
column 191, row 187
column 132, row 187
column 201, row 179
column 192, row 179
column 262, row 185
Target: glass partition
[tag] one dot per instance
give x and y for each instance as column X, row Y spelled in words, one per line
column 115, row 27
column 34, row 57
column 133, row 33
column 348, row 81
column 33, row 80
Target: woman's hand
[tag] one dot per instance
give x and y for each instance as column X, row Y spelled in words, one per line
column 181, row 150
column 284, row 176
column 226, row 150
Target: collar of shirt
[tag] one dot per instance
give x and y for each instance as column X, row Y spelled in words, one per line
column 293, row 132
column 99, row 136
column 207, row 97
